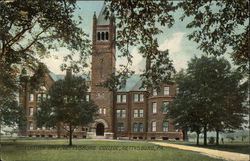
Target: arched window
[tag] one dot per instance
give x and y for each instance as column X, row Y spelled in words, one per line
column 98, row 36
column 103, row 36
column 165, row 126
column 107, row 35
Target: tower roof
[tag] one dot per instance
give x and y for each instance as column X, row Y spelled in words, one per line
column 101, row 18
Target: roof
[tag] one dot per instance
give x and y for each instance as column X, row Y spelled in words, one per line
column 57, row 77
column 133, row 84
column 101, row 18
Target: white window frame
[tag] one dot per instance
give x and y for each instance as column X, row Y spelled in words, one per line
column 154, row 107
column 118, row 97
column 104, row 111
column 136, row 97
column 31, row 111
column 31, row 97
column 141, row 111
column 136, row 113
column 166, row 90
column 153, row 126
column 87, row 98
column 123, row 98
column 123, row 115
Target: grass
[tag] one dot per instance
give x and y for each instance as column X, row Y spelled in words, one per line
column 235, row 146
column 90, row 150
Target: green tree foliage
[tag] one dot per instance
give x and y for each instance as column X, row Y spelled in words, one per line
column 209, row 89
column 29, row 30
column 66, row 105
column 12, row 115
column 137, row 26
column 218, row 26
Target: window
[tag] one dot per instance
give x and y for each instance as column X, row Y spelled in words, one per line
column 121, row 113
column 124, row 98
column 141, row 127
column 166, row 90
column 121, row 98
column 141, row 113
column 41, row 97
column 118, row 98
column 135, row 127
column 107, row 35
column 31, row 126
column 31, row 111
column 98, row 36
column 104, row 111
column 165, row 126
column 103, row 36
column 100, row 110
column 138, row 127
column 136, row 113
column 165, row 106
column 138, row 97
column 87, row 97
column 153, row 126
column 154, row 92
column 31, row 97
column 120, row 127
column 154, row 107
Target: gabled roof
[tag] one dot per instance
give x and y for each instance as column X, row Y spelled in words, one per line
column 101, row 20
column 133, row 84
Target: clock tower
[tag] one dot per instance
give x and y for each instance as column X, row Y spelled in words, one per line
column 103, row 66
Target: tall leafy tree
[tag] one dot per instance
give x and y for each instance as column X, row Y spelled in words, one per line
column 29, row 30
column 209, row 89
column 218, row 26
column 66, row 105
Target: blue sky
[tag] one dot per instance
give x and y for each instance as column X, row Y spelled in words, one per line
column 175, row 39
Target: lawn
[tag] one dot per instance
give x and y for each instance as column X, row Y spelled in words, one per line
column 90, row 150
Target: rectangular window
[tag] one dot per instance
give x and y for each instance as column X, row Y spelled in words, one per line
column 166, row 90
column 165, row 126
column 154, row 107
column 87, row 97
column 141, row 97
column 104, row 111
column 39, row 97
column 135, row 113
column 31, row 126
column 31, row 111
column 153, row 126
column 124, row 98
column 141, row 127
column 118, row 98
column 120, row 127
column 123, row 113
column 135, row 127
column 154, row 92
column 118, row 113
column 31, row 97
column 165, row 106
column 141, row 113
column 136, row 97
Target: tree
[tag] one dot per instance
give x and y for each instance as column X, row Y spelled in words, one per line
column 209, row 89
column 66, row 105
column 12, row 115
column 29, row 30
column 218, row 26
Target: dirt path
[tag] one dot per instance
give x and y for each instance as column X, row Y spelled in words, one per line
column 230, row 156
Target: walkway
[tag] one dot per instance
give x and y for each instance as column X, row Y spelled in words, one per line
column 230, row 156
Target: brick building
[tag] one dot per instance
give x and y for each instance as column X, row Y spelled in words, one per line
column 132, row 116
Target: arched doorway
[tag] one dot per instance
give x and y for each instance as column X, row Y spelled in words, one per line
column 99, row 129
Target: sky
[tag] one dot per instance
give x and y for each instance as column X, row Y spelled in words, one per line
column 174, row 39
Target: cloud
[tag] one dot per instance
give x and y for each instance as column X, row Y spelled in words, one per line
column 138, row 63
column 173, row 43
